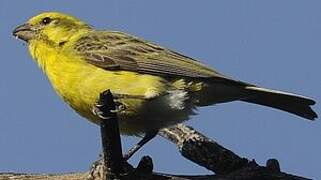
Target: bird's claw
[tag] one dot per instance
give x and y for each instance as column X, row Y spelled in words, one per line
column 97, row 109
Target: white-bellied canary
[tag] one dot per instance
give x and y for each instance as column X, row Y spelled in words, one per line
column 153, row 86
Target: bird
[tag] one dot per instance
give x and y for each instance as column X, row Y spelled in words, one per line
column 154, row 87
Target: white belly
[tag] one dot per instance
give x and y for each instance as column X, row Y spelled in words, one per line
column 158, row 113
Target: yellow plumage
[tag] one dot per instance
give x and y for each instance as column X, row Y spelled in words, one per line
column 80, row 83
column 154, row 86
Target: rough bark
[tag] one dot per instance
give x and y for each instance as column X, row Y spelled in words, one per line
column 202, row 150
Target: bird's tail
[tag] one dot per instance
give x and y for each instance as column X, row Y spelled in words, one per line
column 291, row 103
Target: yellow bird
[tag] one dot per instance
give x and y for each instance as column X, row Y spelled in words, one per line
column 153, row 86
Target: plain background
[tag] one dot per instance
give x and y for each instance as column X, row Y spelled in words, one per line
column 273, row 43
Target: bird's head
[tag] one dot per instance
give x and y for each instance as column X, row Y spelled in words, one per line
column 50, row 26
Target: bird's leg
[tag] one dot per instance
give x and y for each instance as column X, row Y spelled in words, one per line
column 147, row 137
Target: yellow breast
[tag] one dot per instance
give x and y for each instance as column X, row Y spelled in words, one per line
column 80, row 83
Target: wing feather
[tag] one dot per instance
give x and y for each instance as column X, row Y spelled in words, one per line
column 113, row 50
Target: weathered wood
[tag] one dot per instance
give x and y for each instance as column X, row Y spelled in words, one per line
column 105, row 109
column 202, row 150
column 249, row 173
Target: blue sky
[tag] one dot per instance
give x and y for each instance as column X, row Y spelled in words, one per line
column 274, row 44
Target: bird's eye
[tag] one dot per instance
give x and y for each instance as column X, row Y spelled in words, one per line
column 46, row 20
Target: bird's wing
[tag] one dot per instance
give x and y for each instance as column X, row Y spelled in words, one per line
column 119, row 51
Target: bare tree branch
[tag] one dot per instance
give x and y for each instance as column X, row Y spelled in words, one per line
column 105, row 108
column 202, row 150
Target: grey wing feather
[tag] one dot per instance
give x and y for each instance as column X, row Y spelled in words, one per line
column 119, row 51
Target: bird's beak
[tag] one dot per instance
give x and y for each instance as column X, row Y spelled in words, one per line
column 24, row 32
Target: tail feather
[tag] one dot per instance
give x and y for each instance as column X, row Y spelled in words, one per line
column 291, row 103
